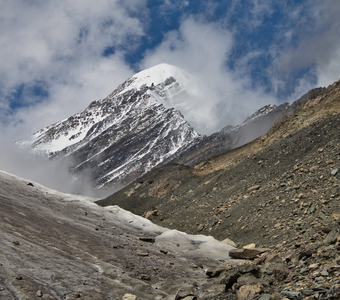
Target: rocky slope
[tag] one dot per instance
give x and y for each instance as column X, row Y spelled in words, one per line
column 279, row 192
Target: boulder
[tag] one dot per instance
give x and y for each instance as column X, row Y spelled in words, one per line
column 247, row 291
column 251, row 253
column 331, row 238
column 129, row 297
column 229, row 242
column 186, row 293
column 231, row 276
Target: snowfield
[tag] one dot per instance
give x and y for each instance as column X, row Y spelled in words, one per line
column 63, row 244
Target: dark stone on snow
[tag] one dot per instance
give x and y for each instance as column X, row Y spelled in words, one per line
column 147, row 239
column 247, row 253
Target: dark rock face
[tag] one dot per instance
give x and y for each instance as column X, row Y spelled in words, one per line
column 148, row 136
column 119, row 138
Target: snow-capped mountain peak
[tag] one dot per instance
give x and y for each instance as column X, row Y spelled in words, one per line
column 175, row 88
column 159, row 74
column 119, row 138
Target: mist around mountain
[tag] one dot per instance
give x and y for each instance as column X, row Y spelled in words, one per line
column 154, row 117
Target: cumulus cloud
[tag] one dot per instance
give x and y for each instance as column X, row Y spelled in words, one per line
column 52, row 51
column 202, row 49
column 61, row 45
column 312, row 46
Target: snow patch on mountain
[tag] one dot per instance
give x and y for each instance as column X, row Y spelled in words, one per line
column 175, row 88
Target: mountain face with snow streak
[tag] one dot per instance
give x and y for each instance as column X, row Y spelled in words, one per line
column 119, row 138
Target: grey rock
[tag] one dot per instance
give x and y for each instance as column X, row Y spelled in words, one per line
column 331, row 238
column 312, row 208
column 281, row 273
column 184, row 293
column 231, row 276
column 247, row 253
column 247, row 279
column 334, row 292
column 265, row 297
column 334, row 171
column 291, row 295
column 306, row 253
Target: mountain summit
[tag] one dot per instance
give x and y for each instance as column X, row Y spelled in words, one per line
column 119, row 138
column 175, row 88
column 154, row 117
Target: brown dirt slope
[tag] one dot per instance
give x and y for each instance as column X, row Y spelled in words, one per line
column 281, row 191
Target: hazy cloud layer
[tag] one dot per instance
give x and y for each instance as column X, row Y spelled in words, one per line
column 60, row 45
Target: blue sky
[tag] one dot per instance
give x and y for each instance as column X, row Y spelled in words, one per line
column 59, row 56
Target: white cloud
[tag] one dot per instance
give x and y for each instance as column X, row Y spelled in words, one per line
column 61, row 44
column 313, row 42
column 202, row 49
